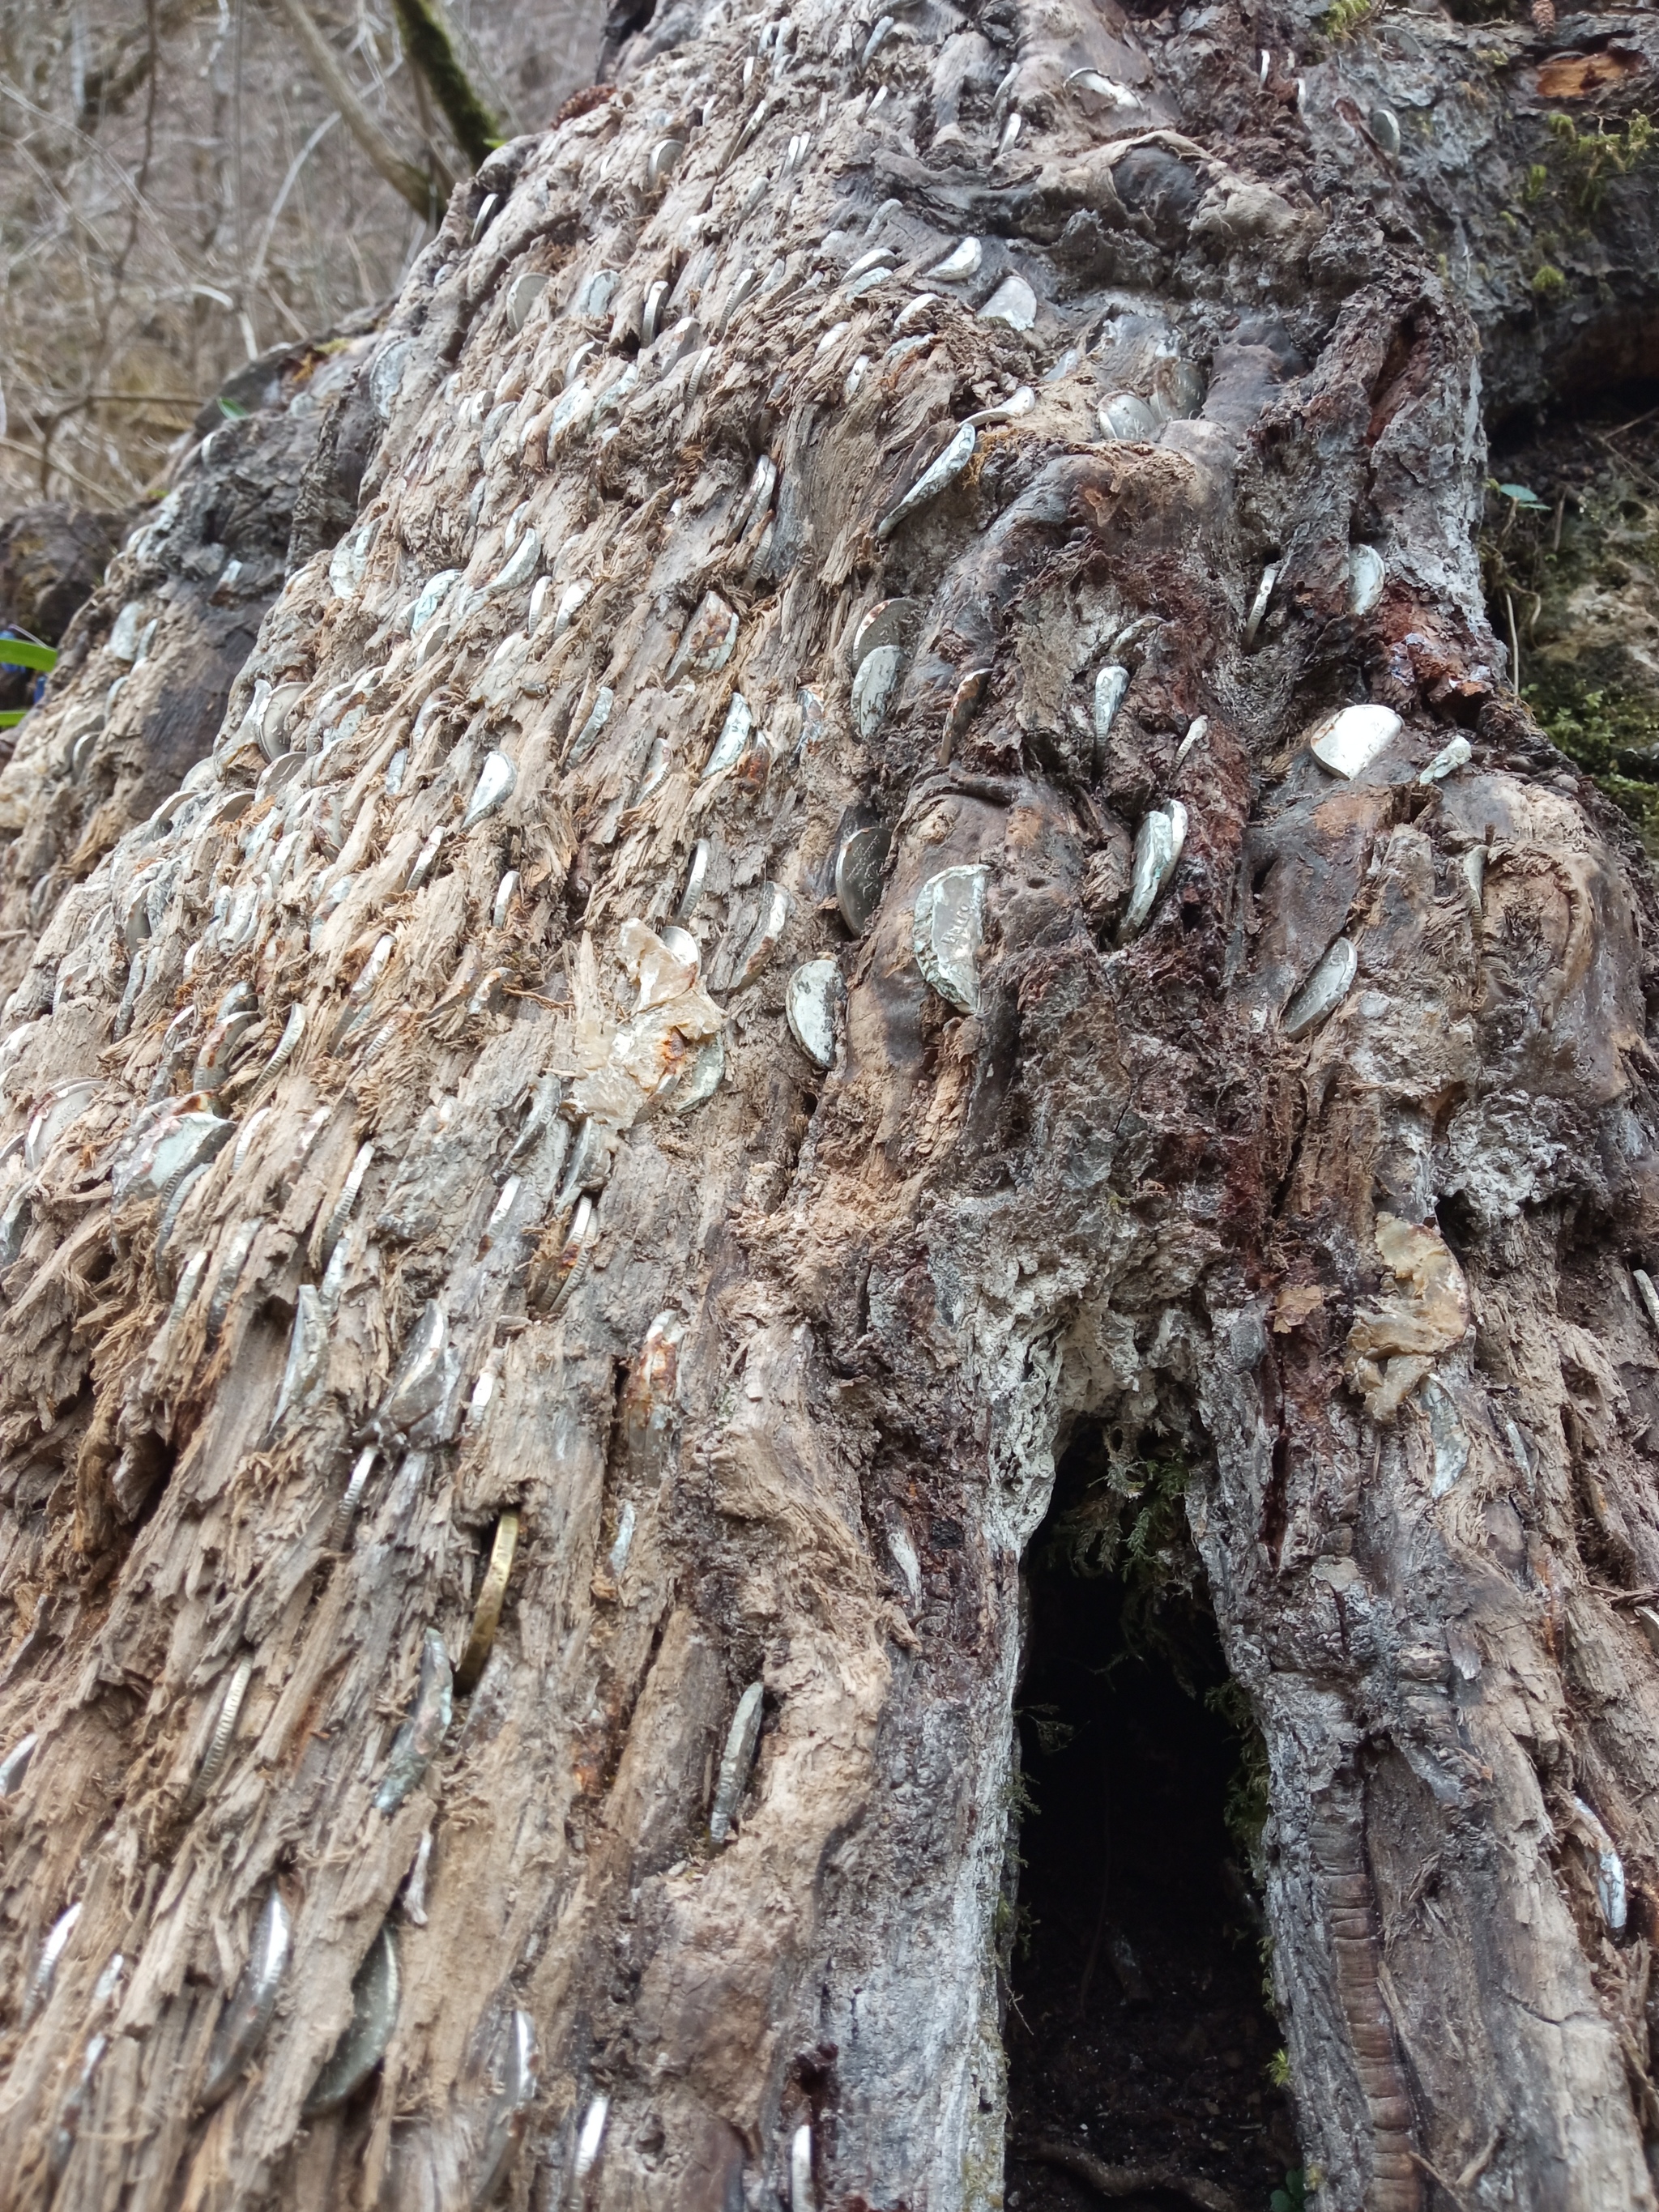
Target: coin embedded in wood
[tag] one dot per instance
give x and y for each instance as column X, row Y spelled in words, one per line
column 811, row 1004
column 858, row 864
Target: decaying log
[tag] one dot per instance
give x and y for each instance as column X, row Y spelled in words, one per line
column 704, row 1012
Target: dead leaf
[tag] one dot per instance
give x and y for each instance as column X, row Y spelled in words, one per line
column 1293, row 1305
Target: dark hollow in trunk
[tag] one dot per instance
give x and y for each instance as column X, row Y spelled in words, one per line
column 1137, row 2028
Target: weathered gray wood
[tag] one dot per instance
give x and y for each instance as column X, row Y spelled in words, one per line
column 1375, row 1279
column 203, row 568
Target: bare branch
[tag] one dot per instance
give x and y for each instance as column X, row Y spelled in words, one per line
column 117, row 177
column 421, row 190
column 106, row 88
column 256, row 273
column 429, row 46
column 50, row 466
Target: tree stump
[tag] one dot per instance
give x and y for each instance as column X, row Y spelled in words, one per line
column 895, row 829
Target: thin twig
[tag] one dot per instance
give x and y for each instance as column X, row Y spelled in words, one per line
column 123, row 181
column 62, row 412
column 62, row 468
column 1605, row 441
column 283, row 307
column 1428, row 2167
column 1482, row 2159
column 248, row 333
column 255, row 274
column 141, row 182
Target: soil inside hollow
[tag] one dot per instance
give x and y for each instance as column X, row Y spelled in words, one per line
column 1137, row 2028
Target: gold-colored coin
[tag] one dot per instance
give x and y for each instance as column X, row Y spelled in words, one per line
column 487, row 1614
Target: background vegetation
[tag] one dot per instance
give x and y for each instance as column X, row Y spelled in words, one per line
column 178, row 192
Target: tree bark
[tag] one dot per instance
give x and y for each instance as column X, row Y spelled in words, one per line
column 434, row 1405
column 138, row 695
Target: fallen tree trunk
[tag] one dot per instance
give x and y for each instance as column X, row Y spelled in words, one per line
column 896, row 837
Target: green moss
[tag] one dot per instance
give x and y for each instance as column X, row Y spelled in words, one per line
column 427, row 45
column 1158, row 1529
column 1017, row 1801
column 1131, row 1513
column 1346, row 17
column 1013, row 1927
column 1053, row 1733
column 1245, row 1811
column 1131, row 1521
column 1537, row 556
column 1613, row 736
column 1603, row 730
column 1589, row 160
column 1086, row 1536
column 1548, row 281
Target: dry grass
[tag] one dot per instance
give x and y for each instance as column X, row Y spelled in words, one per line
column 177, row 195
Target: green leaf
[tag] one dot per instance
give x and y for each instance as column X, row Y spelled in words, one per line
column 12, row 717
column 1522, row 495
column 1279, row 2201
column 231, row 411
column 22, row 653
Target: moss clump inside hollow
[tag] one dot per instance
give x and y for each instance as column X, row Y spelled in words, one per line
column 1570, row 555
column 1611, row 735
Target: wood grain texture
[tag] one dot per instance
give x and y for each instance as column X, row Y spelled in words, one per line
column 775, row 1385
